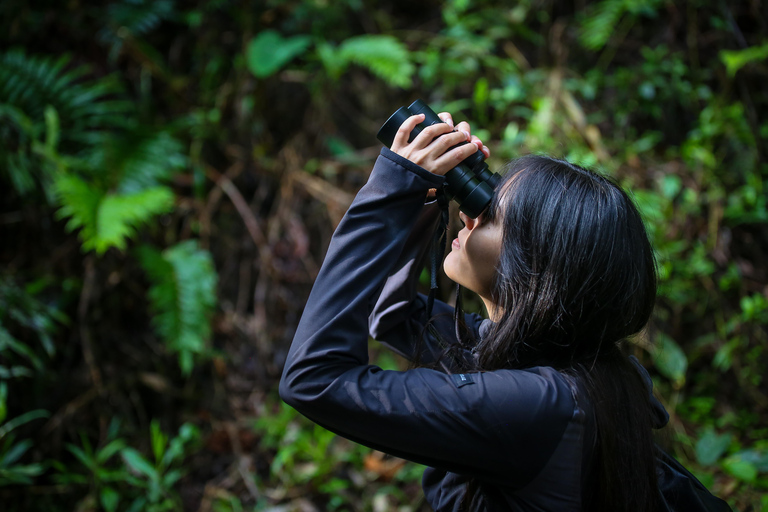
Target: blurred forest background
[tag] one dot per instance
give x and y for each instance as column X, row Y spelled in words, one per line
column 171, row 173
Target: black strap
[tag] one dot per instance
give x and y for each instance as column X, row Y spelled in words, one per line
column 438, row 247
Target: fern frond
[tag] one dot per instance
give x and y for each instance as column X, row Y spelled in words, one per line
column 603, row 19
column 29, row 84
column 385, row 56
column 138, row 17
column 39, row 96
column 108, row 220
column 182, row 297
column 597, row 28
column 137, row 159
column 80, row 203
column 121, row 214
column 22, row 312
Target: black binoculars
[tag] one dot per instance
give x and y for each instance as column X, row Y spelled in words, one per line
column 470, row 183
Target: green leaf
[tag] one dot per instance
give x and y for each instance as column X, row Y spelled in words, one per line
column 158, row 439
column 741, row 469
column 269, row 51
column 597, row 28
column 385, row 56
column 109, row 499
column 182, row 297
column 82, row 456
column 109, row 450
column 670, row 359
column 757, row 458
column 52, row 129
column 15, row 453
column 711, row 446
column 3, row 401
column 734, row 60
column 22, row 419
column 139, row 464
column 108, row 220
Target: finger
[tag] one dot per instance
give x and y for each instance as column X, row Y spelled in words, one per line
column 477, row 142
column 404, row 132
column 430, row 133
column 450, row 139
column 447, row 118
column 482, row 147
column 464, row 127
column 451, row 158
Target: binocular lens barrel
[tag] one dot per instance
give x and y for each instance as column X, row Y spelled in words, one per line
column 470, row 183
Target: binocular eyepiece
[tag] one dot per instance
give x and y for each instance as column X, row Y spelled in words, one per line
column 470, row 183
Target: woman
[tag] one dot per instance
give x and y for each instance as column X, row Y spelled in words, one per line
column 535, row 408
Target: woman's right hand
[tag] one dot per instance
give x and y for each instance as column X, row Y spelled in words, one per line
column 433, row 149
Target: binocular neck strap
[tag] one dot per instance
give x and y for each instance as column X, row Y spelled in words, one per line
column 438, row 248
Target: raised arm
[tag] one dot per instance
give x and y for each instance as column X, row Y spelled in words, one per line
column 462, row 423
column 399, row 315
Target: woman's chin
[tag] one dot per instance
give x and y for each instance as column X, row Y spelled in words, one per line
column 449, row 267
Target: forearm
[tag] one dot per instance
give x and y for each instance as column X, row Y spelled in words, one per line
column 333, row 332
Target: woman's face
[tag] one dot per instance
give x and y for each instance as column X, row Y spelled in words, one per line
column 474, row 255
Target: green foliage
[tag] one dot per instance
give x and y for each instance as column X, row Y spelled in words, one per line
column 144, row 484
column 385, row 56
column 98, row 471
column 42, row 97
column 670, row 360
column 182, row 296
column 711, row 446
column 680, row 123
column 734, row 60
column 119, row 187
column 31, row 83
column 133, row 18
column 12, row 472
column 269, row 51
column 156, row 480
column 307, row 456
column 107, row 220
column 21, row 312
column 598, row 26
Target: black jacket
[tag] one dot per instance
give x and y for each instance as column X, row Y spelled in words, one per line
column 524, row 434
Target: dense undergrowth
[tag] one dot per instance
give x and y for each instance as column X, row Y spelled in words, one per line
column 171, row 172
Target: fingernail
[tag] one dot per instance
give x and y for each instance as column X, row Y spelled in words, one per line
column 466, row 134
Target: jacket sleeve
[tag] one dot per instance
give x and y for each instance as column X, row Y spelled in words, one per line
column 467, row 423
column 399, row 316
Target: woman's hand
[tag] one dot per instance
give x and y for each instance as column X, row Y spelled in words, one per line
column 431, row 149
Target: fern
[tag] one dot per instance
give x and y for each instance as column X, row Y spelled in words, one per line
column 84, row 107
column 384, row 56
column 597, row 28
column 40, row 97
column 182, row 297
column 24, row 317
column 138, row 17
column 136, row 160
column 603, row 19
column 124, row 188
column 107, row 219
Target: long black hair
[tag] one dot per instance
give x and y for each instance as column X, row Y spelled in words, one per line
column 575, row 278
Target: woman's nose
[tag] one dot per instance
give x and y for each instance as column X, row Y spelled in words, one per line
column 468, row 221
